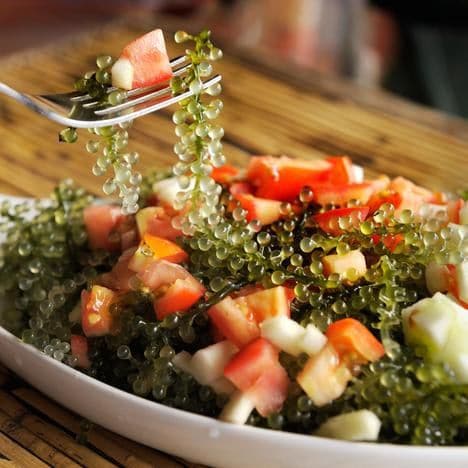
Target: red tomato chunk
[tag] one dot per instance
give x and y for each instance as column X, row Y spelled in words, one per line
column 96, row 318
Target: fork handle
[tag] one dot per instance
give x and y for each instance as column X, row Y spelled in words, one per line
column 23, row 99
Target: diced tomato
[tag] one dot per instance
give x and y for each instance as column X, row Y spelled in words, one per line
column 120, row 276
column 324, row 377
column 161, row 249
column 161, row 273
column 438, row 198
column 179, row 297
column 342, row 170
column 128, row 239
column 236, row 323
column 412, row 195
column 354, row 343
column 453, row 210
column 240, row 188
column 379, row 184
column 101, row 221
column 270, row 390
column 96, row 318
column 224, row 174
column 390, row 241
column 261, row 209
column 378, row 199
column 79, row 350
column 343, row 263
column 143, row 62
column 264, row 210
column 283, row 178
column 458, row 282
column 268, row 303
column 329, row 220
column 326, row 194
column 244, row 369
column 156, row 221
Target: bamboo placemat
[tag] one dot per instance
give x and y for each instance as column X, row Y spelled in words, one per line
column 267, row 110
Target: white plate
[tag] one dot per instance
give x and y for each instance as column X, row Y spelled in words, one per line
column 201, row 439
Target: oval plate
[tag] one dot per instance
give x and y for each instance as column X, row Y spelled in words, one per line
column 201, row 439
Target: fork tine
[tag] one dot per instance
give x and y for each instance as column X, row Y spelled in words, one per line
column 147, row 98
column 144, row 109
column 154, row 90
column 175, row 62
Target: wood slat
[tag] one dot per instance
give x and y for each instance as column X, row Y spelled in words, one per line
column 28, row 440
column 120, row 449
column 20, row 456
column 50, row 433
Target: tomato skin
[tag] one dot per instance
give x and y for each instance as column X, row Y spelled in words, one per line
column 161, row 249
column 179, row 297
column 224, row 174
column 79, row 349
column 354, row 343
column 453, row 210
column 270, row 390
column 149, row 59
column 96, row 319
column 328, row 221
column 235, row 323
column 283, row 178
column 244, row 369
column 453, row 285
column 326, row 194
column 342, row 170
column 100, row 222
column 377, row 200
column 390, row 241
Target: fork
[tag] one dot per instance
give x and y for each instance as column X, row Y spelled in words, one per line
column 80, row 110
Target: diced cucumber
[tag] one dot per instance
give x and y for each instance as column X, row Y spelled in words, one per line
column 284, row 333
column 361, row 425
column 312, row 341
column 438, row 327
column 208, row 363
column 291, row 337
column 182, row 361
column 237, row 410
column 429, row 322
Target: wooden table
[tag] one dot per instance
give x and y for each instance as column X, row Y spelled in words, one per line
column 266, row 111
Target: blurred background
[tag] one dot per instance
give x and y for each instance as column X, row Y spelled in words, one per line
column 412, row 48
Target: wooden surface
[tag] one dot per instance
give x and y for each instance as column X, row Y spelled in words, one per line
column 266, row 111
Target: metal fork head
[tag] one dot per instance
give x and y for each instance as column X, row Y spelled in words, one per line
column 80, row 110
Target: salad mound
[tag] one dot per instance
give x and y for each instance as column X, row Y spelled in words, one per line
column 292, row 294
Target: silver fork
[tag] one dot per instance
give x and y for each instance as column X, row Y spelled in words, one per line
column 80, row 110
